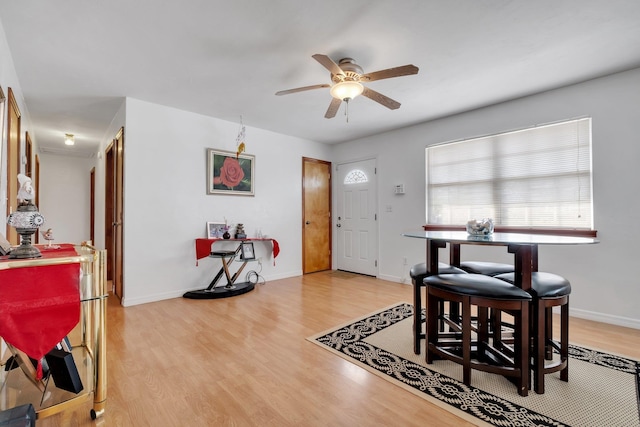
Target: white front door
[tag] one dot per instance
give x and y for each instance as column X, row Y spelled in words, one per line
column 356, row 219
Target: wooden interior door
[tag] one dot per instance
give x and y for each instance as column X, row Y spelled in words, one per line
column 118, row 226
column 13, row 162
column 316, row 215
column 109, row 218
column 28, row 152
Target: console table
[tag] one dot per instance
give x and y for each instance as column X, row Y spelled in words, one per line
column 231, row 287
column 42, row 301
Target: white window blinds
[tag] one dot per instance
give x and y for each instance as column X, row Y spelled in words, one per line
column 536, row 177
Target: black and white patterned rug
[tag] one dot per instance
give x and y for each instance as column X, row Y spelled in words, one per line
column 603, row 389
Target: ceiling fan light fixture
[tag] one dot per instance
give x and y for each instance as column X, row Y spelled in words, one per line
column 346, row 90
column 69, row 139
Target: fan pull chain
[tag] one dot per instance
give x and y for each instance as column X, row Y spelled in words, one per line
column 346, row 109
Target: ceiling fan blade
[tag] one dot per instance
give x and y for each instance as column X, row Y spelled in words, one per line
column 333, row 108
column 381, row 99
column 405, row 70
column 328, row 63
column 301, row 89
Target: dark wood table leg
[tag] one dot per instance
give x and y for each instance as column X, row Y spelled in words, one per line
column 524, row 257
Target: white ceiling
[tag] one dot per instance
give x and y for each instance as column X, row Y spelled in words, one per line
column 77, row 59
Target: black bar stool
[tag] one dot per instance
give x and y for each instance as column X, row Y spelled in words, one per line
column 486, row 268
column 418, row 272
column 486, row 293
column 548, row 290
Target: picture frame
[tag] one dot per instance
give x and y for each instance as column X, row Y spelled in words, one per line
column 215, row 229
column 5, row 246
column 247, row 251
column 230, row 173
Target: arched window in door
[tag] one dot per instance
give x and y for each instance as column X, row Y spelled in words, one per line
column 356, row 176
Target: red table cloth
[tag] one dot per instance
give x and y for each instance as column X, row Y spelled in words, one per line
column 203, row 246
column 40, row 305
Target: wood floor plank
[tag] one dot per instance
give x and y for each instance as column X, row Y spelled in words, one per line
column 245, row 360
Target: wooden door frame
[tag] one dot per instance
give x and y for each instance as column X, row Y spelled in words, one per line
column 118, row 276
column 13, row 158
column 92, row 204
column 37, row 179
column 28, row 154
column 109, row 219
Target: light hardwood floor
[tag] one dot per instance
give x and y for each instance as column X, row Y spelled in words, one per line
column 245, row 361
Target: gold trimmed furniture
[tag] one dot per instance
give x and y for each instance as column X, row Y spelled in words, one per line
column 88, row 339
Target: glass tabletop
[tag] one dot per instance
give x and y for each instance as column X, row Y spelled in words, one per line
column 500, row 238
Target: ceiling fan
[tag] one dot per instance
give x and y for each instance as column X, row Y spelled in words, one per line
column 347, row 78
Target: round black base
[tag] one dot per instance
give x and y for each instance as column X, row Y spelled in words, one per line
column 221, row 292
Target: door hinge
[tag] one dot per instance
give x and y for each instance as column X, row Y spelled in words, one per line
column 375, row 217
column 375, row 263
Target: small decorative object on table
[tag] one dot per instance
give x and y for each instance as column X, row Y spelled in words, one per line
column 26, row 220
column 480, row 228
column 48, row 236
column 240, row 234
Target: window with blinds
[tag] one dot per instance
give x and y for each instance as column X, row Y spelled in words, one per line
column 535, row 177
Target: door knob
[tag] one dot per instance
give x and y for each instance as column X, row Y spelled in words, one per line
column 338, row 225
column 307, row 222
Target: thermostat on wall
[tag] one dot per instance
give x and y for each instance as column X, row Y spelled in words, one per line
column 399, row 189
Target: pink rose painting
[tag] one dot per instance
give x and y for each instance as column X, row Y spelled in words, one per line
column 230, row 173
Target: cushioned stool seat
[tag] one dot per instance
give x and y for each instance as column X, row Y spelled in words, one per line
column 548, row 291
column 486, row 293
column 418, row 272
column 486, row 268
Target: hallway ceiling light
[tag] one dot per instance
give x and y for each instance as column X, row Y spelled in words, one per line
column 68, row 139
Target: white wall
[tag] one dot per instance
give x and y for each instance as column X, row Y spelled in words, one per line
column 9, row 79
column 117, row 123
column 166, row 205
column 604, row 281
column 65, row 197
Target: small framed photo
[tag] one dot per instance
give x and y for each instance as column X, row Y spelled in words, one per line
column 247, row 251
column 215, row 230
column 5, row 246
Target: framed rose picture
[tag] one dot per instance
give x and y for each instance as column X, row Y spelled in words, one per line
column 228, row 173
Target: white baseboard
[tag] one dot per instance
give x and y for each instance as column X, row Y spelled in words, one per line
column 128, row 302
column 394, row 279
column 575, row 312
column 605, row 318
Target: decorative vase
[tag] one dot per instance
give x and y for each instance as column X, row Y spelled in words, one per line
column 26, row 220
column 226, row 235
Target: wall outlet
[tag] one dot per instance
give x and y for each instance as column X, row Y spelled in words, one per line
column 404, row 261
